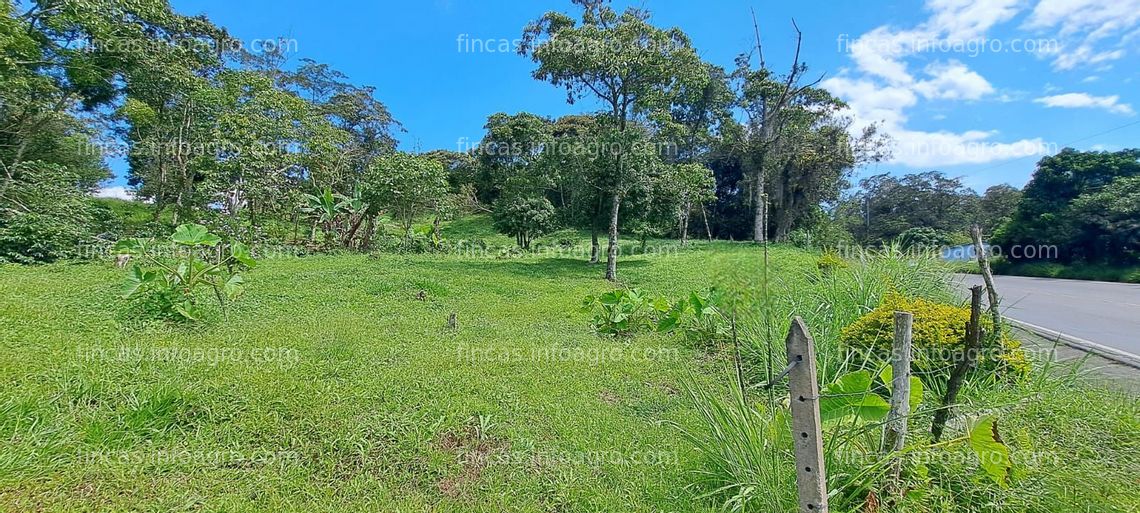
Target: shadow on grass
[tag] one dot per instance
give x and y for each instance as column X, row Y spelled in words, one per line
column 554, row 267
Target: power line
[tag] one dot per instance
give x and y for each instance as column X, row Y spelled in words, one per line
column 1098, row 134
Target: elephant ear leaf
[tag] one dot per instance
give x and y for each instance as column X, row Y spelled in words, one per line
column 851, row 395
column 887, row 375
column 188, row 310
column 136, row 279
column 194, row 235
column 991, row 451
column 234, row 286
column 915, row 394
column 240, row 252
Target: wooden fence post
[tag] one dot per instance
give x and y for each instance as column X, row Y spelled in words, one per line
column 811, row 478
column 988, row 277
column 894, row 437
column 969, row 353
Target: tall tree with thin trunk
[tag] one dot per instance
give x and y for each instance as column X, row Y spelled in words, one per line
column 622, row 60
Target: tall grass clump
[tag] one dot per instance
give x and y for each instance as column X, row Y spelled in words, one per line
column 747, row 457
column 828, row 301
column 1071, row 442
column 746, row 446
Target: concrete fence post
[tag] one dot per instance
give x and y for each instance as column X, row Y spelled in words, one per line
column 894, row 437
column 811, row 477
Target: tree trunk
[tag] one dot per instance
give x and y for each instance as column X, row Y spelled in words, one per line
column 352, row 229
column 595, row 248
column 708, row 229
column 612, row 251
column 369, row 229
column 685, row 222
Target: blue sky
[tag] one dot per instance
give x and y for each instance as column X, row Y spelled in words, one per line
column 979, row 89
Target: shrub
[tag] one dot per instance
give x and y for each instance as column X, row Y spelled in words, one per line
column 623, row 312
column 167, row 285
column 699, row 317
column 524, row 218
column 939, row 334
column 629, row 311
column 829, row 262
column 44, row 216
column 29, row 237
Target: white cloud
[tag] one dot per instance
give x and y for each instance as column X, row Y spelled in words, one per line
column 115, row 192
column 878, row 52
column 969, row 19
column 953, row 81
column 881, row 88
column 873, row 103
column 1084, row 26
column 870, row 102
column 1084, row 100
column 1099, row 17
column 943, row 148
column 1084, row 55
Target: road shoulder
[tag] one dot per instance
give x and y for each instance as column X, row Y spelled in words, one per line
column 1096, row 369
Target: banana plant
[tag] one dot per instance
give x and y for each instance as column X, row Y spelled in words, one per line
column 338, row 216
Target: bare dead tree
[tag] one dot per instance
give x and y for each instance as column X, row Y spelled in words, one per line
column 764, row 101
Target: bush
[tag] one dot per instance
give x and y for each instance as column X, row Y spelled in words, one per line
column 939, row 334
column 829, row 262
column 627, row 312
column 623, row 312
column 168, row 286
column 44, row 216
column 29, row 237
column 524, row 218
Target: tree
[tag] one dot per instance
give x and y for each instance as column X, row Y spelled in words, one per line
column 511, row 152
column 43, row 216
column 814, row 158
column 702, row 108
column 763, row 96
column 887, row 205
column 63, row 66
column 1107, row 222
column 579, row 195
column 406, row 186
column 369, row 125
column 524, row 218
column 689, row 184
column 620, row 59
column 997, row 206
column 1044, row 212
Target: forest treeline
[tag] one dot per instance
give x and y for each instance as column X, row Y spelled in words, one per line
column 256, row 146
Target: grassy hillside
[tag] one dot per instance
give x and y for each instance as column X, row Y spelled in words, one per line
column 337, row 384
column 333, row 385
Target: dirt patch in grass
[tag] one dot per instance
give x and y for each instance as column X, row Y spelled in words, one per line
column 474, row 451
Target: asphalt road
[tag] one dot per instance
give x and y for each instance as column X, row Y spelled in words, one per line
column 1101, row 312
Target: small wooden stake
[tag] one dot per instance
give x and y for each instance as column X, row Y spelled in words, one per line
column 894, row 437
column 811, row 478
column 988, row 277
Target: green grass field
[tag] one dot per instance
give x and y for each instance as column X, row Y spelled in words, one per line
column 337, row 384
column 333, row 385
